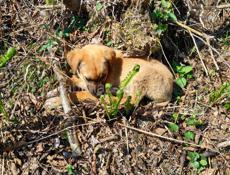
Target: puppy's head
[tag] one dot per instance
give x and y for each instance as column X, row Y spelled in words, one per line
column 91, row 64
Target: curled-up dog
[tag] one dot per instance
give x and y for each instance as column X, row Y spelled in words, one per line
column 95, row 65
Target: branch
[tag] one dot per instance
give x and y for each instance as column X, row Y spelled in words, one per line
column 167, row 138
column 72, row 137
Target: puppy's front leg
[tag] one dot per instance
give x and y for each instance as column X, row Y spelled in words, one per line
column 78, row 82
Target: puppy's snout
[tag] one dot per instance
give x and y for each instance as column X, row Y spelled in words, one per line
column 92, row 88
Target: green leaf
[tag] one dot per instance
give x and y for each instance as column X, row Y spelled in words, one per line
column 189, row 135
column 192, row 121
column 173, row 127
column 51, row 2
column 224, row 90
column 172, row 16
column 165, row 4
column 175, row 116
column 161, row 28
column 203, row 162
column 70, row 169
column 157, row 15
column 182, row 70
column 193, row 156
column 11, row 52
column 48, row 46
column 181, row 81
column 195, row 165
column 99, row 6
column 227, row 106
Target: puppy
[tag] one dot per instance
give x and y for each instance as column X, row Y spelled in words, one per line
column 95, row 65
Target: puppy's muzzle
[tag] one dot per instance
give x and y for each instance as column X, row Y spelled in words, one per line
column 96, row 89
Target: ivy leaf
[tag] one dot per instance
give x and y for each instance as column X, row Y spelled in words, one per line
column 189, row 135
column 173, row 127
column 181, row 81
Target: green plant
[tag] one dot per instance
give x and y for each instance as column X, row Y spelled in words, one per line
column 48, row 46
column 193, row 121
column 221, row 93
column 3, row 110
column 75, row 23
column 185, row 72
column 189, row 135
column 173, row 127
column 99, row 6
column 162, row 15
column 70, row 170
column 197, row 161
column 51, row 2
column 112, row 105
column 11, row 52
column 225, row 39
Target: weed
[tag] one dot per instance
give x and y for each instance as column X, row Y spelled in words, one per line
column 185, row 72
column 173, row 127
column 112, row 106
column 197, row 161
column 70, row 169
column 3, row 110
column 193, row 121
column 222, row 92
column 48, row 46
column 189, row 136
column 75, row 23
column 162, row 15
column 225, row 40
column 7, row 56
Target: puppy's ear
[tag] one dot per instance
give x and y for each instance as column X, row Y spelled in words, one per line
column 74, row 58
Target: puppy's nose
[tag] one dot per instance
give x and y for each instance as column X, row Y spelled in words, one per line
column 92, row 89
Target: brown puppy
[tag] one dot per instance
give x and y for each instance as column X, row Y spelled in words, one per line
column 95, row 65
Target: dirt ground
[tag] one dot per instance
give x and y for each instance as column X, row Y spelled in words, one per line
column 191, row 135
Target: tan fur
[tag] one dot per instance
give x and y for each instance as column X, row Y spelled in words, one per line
column 95, row 65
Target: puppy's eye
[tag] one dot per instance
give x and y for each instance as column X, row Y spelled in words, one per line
column 88, row 79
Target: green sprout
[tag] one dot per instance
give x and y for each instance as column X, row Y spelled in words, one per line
column 112, row 106
column 11, row 52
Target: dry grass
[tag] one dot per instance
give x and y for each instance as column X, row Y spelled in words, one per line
column 34, row 141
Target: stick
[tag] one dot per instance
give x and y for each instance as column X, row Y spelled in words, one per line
column 167, row 138
column 202, row 62
column 167, row 59
column 71, row 134
column 59, row 6
column 203, row 35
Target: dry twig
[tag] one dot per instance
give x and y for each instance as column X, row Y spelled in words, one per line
column 207, row 38
column 199, row 54
column 73, row 140
column 168, row 138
